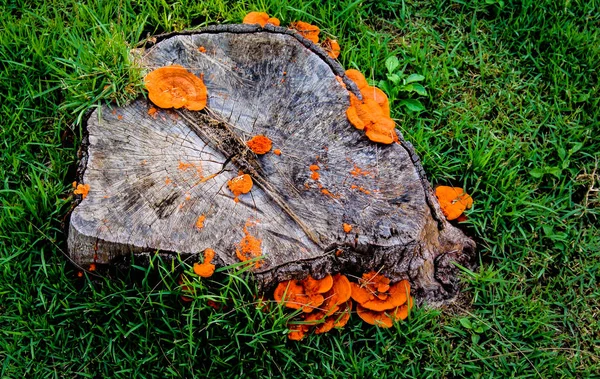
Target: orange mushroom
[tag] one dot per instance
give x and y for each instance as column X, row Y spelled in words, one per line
column 306, row 30
column 453, row 201
column 372, row 114
column 374, row 292
column 82, row 189
column 260, row 18
column 305, row 294
column 175, row 87
column 291, row 293
column 331, row 47
column 273, row 21
column 339, row 293
column 357, row 77
column 297, row 331
column 206, row 268
column 260, row 144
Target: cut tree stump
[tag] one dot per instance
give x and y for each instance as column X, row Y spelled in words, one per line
column 152, row 177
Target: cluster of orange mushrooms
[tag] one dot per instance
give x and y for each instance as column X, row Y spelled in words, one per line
column 326, row 303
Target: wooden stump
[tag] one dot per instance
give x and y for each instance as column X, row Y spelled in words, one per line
column 154, row 177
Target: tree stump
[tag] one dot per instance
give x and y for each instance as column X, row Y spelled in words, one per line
column 159, row 182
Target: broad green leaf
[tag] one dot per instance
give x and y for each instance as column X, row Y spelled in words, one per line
column 537, row 172
column 412, row 105
column 414, row 78
column 394, row 78
column 392, row 64
column 418, row 88
column 556, row 171
column 466, row 323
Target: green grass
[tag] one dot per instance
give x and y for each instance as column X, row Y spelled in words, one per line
column 512, row 115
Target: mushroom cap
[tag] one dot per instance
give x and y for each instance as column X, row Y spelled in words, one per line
column 260, row 18
column 375, row 293
column 273, row 21
column 339, row 293
column 453, row 201
column 297, row 331
column 206, row 268
column 316, row 286
column 260, row 144
column 382, row 131
column 374, row 93
column 175, row 87
column 289, row 292
column 357, row 77
column 380, row 319
column 397, row 295
column 306, row 30
column 354, row 119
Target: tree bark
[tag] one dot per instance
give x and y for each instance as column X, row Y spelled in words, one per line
column 152, row 176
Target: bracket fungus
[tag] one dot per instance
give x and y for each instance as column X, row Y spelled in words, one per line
column 175, row 87
column 372, row 113
column 306, row 30
column 260, row 18
column 206, row 268
column 453, row 201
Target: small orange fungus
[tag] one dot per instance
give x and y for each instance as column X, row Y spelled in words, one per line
column 202, row 49
column 332, row 47
column 297, row 331
column 273, row 21
column 306, row 30
column 453, row 201
column 240, row 185
column 380, row 303
column 260, row 144
column 347, row 228
column 249, row 247
column 175, row 87
column 82, row 189
column 277, row 152
column 206, row 268
column 260, row 18
column 152, row 112
column 92, row 267
column 200, row 222
column 372, row 113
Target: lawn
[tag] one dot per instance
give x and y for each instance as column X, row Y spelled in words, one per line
column 512, row 114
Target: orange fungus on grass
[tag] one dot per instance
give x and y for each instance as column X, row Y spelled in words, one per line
column 175, row 87
column 206, row 268
column 260, row 144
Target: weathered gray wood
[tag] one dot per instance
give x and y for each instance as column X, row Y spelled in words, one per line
column 146, row 174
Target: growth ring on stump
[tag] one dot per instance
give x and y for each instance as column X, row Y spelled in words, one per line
column 331, row 201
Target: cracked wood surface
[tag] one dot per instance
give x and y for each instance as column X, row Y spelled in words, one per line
column 152, row 176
